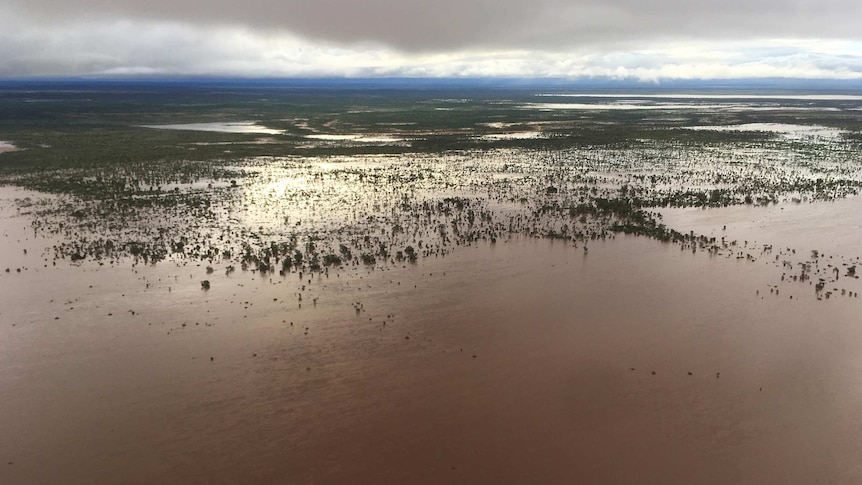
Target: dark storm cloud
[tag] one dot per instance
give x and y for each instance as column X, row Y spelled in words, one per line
column 452, row 24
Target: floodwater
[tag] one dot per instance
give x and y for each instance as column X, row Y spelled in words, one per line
column 221, row 127
column 788, row 131
column 627, row 105
column 518, row 135
column 369, row 138
column 829, row 227
column 776, row 96
column 527, row 361
column 631, row 105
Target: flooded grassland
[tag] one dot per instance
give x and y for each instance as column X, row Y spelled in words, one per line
column 543, row 289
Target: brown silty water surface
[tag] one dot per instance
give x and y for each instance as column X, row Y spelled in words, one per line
column 526, row 361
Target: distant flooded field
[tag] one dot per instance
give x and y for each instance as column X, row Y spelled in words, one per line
column 219, row 127
column 380, row 293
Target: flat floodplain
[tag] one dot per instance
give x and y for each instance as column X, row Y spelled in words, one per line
column 492, row 295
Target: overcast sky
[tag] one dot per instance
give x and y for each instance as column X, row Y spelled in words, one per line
column 631, row 39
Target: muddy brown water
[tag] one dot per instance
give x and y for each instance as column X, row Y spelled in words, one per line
column 528, row 361
column 833, row 227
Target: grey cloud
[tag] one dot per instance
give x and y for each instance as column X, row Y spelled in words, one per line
column 545, row 43
column 416, row 25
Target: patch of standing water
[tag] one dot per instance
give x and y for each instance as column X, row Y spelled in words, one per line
column 623, row 105
column 220, row 127
column 631, row 105
column 800, row 97
column 520, row 135
column 357, row 138
column 786, row 130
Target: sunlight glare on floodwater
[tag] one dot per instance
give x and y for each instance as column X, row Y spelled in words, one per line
column 220, row 127
column 363, row 138
column 788, row 131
